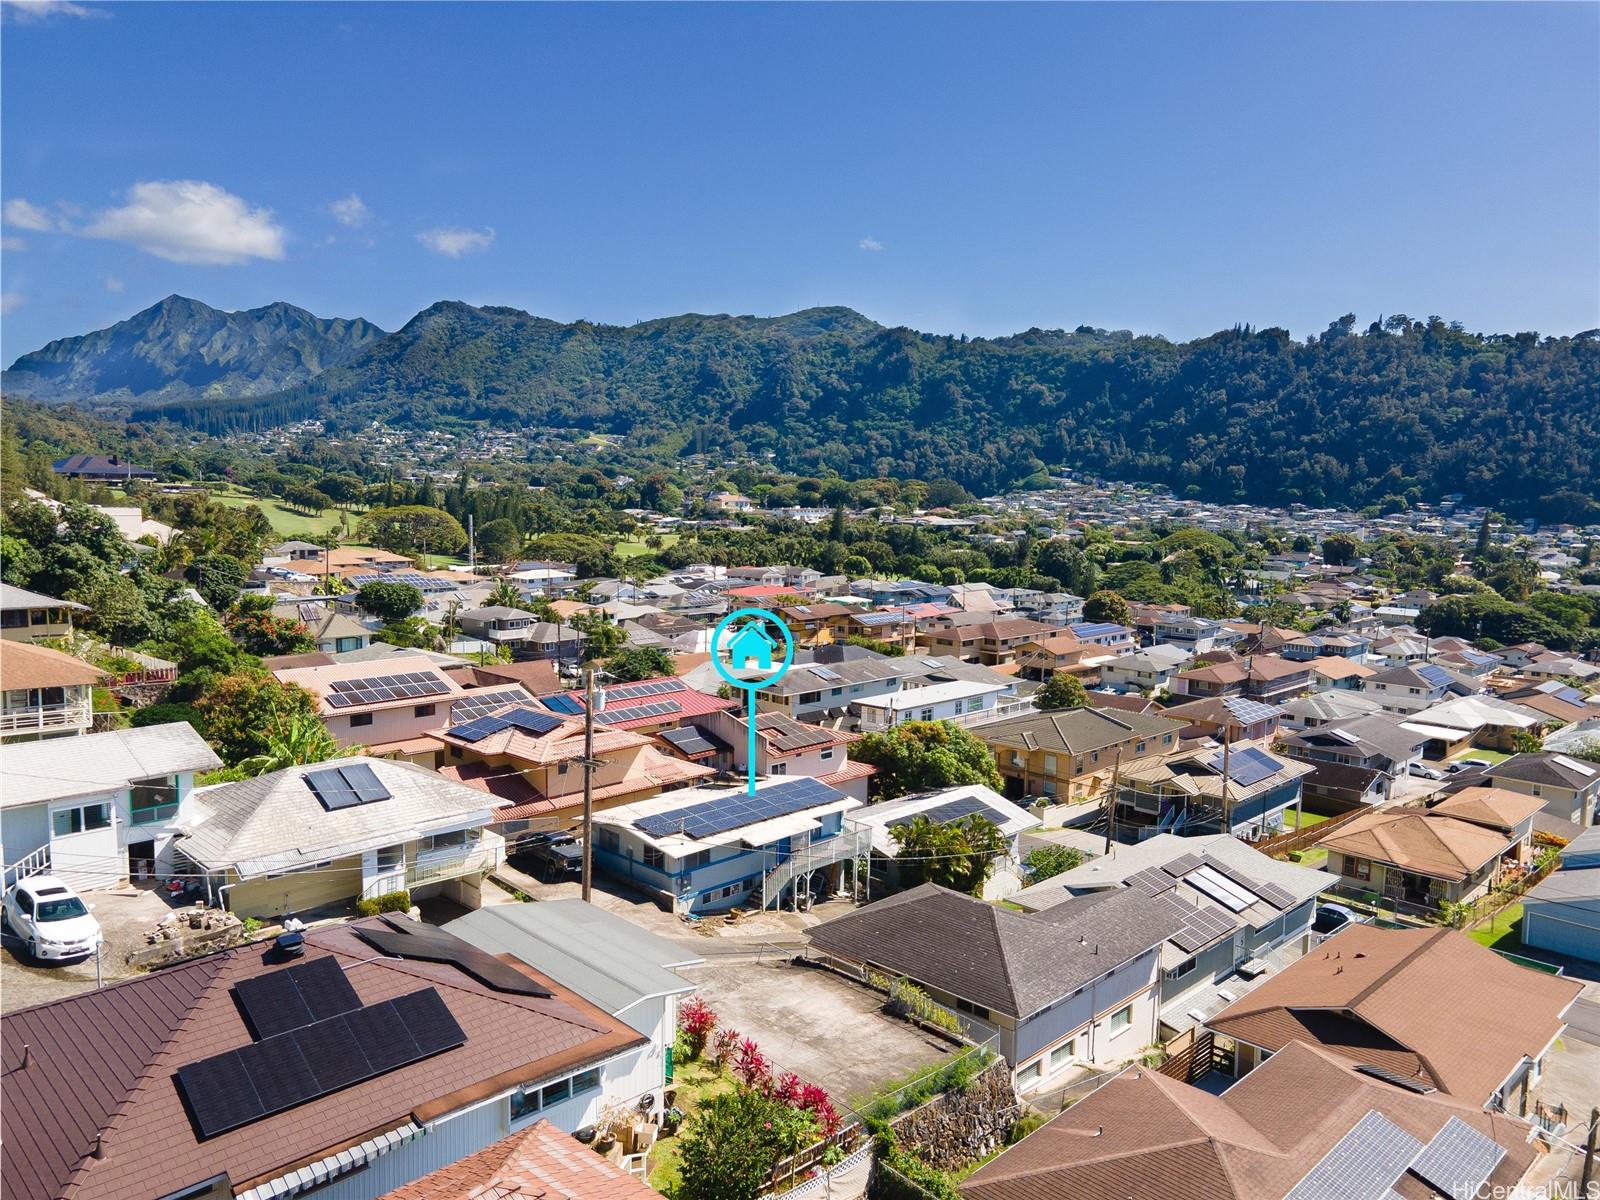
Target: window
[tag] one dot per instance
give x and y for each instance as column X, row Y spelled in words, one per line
column 699, row 858
column 1062, row 1053
column 1139, row 748
column 1182, row 969
column 838, row 691
column 345, row 644
column 778, row 769
column 927, row 715
column 826, row 755
column 1120, row 1020
column 153, row 800
column 455, row 752
column 974, row 1010
column 1049, row 764
column 608, row 839
column 359, row 719
column 66, row 821
column 527, row 1100
column 391, row 858
column 653, row 857
column 1536, row 789
column 454, row 839
column 810, row 697
column 1358, row 868
column 1030, row 1074
column 424, row 710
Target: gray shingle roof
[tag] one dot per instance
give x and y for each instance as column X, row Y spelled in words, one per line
column 1076, row 730
column 60, row 768
column 1545, row 768
column 1013, row 963
column 275, row 822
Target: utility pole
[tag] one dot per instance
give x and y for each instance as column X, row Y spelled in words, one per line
column 588, row 783
column 1111, row 801
column 1588, row 1151
column 472, row 545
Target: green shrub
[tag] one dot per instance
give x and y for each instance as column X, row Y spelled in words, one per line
column 386, row 903
column 1023, row 1126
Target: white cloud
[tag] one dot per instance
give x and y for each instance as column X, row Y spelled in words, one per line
column 10, row 302
column 871, row 243
column 26, row 11
column 453, row 243
column 13, row 245
column 113, row 284
column 22, row 214
column 189, row 221
column 351, row 211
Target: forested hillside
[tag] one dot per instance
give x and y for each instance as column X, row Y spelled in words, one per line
column 1405, row 410
column 180, row 349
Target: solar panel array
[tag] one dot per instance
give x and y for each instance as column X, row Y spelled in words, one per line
column 635, row 712
column 526, row 718
column 279, row 1001
column 1232, row 896
column 405, row 938
column 378, row 688
column 953, row 810
column 1201, row 927
column 1437, row 676
column 687, row 740
column 1249, row 712
column 1459, row 1159
column 1182, row 865
column 637, row 691
column 423, row 583
column 562, row 703
column 1270, row 892
column 1364, row 1164
column 1152, row 881
column 239, row 1086
column 826, row 673
column 738, row 809
column 346, row 787
column 1246, row 767
column 481, row 704
column 1411, row 1083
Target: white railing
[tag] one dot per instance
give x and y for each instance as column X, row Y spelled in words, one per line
column 1008, row 708
column 854, row 841
column 434, row 868
column 37, row 863
column 47, row 716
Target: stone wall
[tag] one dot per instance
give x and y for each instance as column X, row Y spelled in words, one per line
column 956, row 1129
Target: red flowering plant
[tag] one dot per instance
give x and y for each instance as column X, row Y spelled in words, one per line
column 723, row 1044
column 816, row 1102
column 751, row 1066
column 697, row 1020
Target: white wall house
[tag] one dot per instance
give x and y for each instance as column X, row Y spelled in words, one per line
column 936, row 702
column 84, row 812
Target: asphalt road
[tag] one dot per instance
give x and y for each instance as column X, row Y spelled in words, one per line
column 1583, row 1020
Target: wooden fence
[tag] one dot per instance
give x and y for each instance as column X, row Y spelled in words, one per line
column 1280, row 846
column 1200, row 1056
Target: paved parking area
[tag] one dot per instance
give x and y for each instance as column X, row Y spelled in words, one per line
column 824, row 1028
column 124, row 919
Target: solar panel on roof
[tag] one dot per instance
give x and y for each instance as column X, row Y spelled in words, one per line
column 481, row 704
column 236, row 1087
column 826, row 673
column 476, row 731
column 1201, row 927
column 324, row 987
column 1364, row 1164
column 635, row 691
column 279, row 1072
column 1459, row 1159
column 377, row 689
column 1152, row 881
column 531, row 720
column 950, row 811
column 737, row 809
column 330, row 788
column 688, row 740
column 1181, row 865
column 634, row 712
column 1224, row 891
column 570, row 705
column 1246, row 767
column 1276, row 896
column 1437, row 676
column 364, row 782
column 272, row 1003
column 405, row 938
column 1249, row 712
column 1410, row 1082
column 219, row 1095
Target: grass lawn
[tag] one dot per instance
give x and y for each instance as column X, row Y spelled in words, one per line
column 1313, row 857
column 1489, row 756
column 1306, row 819
column 635, row 547
column 1503, row 931
column 285, row 520
column 697, row 1083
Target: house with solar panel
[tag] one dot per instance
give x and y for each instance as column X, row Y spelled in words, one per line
column 391, row 707
column 310, row 837
column 707, row 849
column 384, row 1051
column 783, row 746
column 1244, row 915
column 1411, row 689
column 1227, row 718
column 1239, row 789
column 529, row 760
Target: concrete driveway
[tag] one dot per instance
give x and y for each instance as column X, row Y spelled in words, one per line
column 124, row 919
column 824, row 1028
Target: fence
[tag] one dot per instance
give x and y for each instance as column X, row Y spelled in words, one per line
column 1201, row 1056
column 1281, row 845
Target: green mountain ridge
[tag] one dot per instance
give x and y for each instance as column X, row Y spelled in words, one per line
column 1406, row 410
column 182, row 349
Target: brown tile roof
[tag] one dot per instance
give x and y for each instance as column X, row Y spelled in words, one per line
column 1497, row 808
column 1423, row 842
column 104, row 1062
column 1075, row 730
column 1262, row 667
column 1144, row 1134
column 23, row 665
column 537, row 1163
column 1464, row 1014
column 1334, row 667
column 537, row 676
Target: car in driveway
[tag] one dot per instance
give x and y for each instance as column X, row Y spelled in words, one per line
column 550, row 857
column 51, row 919
column 1423, row 771
column 1330, row 919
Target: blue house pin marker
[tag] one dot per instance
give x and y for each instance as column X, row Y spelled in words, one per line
column 750, row 645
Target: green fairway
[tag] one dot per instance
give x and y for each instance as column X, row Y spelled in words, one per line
column 635, row 547
column 285, row 520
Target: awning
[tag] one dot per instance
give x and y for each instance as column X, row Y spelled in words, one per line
column 334, row 1165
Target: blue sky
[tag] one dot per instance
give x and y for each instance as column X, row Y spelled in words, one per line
column 1170, row 168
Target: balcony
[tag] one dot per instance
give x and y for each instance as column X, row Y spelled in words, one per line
column 853, row 842
column 47, row 718
column 437, row 867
